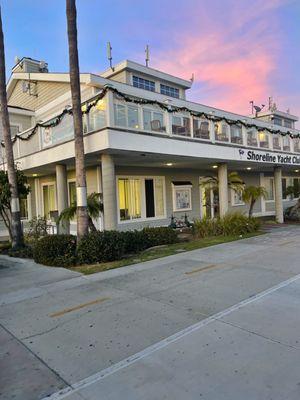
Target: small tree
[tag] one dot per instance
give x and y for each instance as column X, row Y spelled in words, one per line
column 5, row 196
column 235, row 182
column 94, row 209
column 251, row 194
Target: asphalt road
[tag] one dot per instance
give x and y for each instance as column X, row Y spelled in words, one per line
column 216, row 323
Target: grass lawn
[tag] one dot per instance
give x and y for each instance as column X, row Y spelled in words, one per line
column 161, row 251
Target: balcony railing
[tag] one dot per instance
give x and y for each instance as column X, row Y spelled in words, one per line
column 153, row 120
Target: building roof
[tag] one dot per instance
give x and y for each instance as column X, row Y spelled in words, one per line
column 131, row 65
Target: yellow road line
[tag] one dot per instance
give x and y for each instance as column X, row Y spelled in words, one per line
column 68, row 310
column 194, row 271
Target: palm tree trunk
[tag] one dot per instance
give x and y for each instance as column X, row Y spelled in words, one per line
column 82, row 215
column 251, row 208
column 16, row 228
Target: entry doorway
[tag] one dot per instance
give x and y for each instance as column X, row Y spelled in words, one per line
column 209, row 200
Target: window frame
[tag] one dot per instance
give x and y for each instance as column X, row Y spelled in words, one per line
column 233, row 203
column 138, row 86
column 143, row 198
column 167, row 89
column 182, row 187
column 48, row 183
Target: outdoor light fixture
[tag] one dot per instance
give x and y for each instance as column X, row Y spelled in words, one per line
column 169, row 164
column 296, row 170
column 248, row 168
column 34, row 175
column 215, row 166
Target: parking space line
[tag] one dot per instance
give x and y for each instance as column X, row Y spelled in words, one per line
column 208, row 267
column 78, row 307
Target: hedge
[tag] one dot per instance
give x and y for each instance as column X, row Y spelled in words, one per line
column 96, row 247
column 55, row 250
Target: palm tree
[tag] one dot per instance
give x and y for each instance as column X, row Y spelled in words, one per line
column 235, row 182
column 82, row 215
column 251, row 194
column 94, row 209
column 16, row 228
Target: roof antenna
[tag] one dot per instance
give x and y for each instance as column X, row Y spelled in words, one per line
column 147, row 55
column 109, row 55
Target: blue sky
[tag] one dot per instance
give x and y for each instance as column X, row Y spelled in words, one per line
column 238, row 50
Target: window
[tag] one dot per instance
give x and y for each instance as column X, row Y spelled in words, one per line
column 153, row 120
column 277, row 121
column 221, row 132
column 201, row 128
column 182, row 197
column 236, row 134
column 141, row 197
column 97, row 117
column 276, row 142
column 297, row 145
column 237, row 198
column 252, row 138
column 24, row 208
column 296, row 184
column 181, row 126
column 284, row 186
column 129, row 198
column 142, row 83
column 263, row 140
column 286, row 144
column 287, row 123
column 269, row 185
column 49, row 201
column 72, row 192
column 154, row 197
column 127, row 116
column 169, row 91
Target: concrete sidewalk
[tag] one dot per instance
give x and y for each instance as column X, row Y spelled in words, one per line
column 76, row 326
column 249, row 351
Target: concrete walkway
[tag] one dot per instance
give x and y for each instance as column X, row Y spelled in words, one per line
column 111, row 335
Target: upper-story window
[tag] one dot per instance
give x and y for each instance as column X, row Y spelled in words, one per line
column 286, row 143
column 181, row 125
column 276, row 142
column 252, row 138
column 297, row 145
column 201, row 128
column 221, row 132
column 153, row 120
column 126, row 115
column 263, row 140
column 236, row 134
column 142, row 83
column 277, row 121
column 169, row 91
column 287, row 123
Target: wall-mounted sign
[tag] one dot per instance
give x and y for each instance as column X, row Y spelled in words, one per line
column 269, row 157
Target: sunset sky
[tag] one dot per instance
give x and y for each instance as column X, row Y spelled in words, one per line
column 238, row 50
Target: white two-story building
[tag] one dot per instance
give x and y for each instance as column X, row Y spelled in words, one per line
column 147, row 147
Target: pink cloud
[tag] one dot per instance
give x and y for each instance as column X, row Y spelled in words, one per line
column 232, row 55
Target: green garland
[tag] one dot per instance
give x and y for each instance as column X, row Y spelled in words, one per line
column 169, row 108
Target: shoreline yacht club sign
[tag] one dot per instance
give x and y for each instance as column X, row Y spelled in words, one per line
column 269, row 157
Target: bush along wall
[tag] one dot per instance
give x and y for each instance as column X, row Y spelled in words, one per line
column 96, row 247
column 234, row 224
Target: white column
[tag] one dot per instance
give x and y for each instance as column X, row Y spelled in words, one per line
column 109, row 192
column 278, row 194
column 62, row 195
column 223, row 189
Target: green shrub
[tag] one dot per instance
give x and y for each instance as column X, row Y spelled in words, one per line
column 23, row 252
column 134, row 241
column 55, row 250
column 159, row 235
column 101, row 247
column 232, row 224
column 37, row 227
